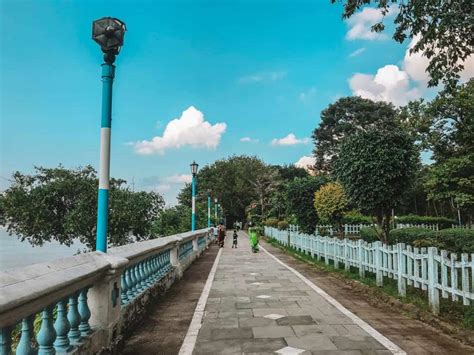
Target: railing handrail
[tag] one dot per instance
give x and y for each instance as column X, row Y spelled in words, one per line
column 29, row 289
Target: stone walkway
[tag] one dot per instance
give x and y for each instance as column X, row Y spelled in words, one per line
column 257, row 305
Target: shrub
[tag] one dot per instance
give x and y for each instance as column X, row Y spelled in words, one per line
column 271, row 222
column 369, row 234
column 410, row 235
column 282, row 225
column 442, row 222
column 355, row 217
column 456, row 240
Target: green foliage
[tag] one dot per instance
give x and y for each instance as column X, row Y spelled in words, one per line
column 231, row 180
column 330, row 202
column 376, row 167
column 61, row 204
column 370, row 234
column 443, row 28
column 283, row 225
column 299, row 199
column 345, row 117
column 355, row 217
column 456, row 240
column 442, row 222
column 410, row 235
column 271, row 222
column 172, row 220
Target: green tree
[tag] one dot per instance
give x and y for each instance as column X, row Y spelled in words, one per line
column 345, row 117
column 299, row 201
column 376, row 168
column 444, row 27
column 231, row 181
column 172, row 220
column 61, row 204
column 330, row 202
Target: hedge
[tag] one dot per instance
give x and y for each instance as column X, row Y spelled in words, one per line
column 369, row 234
column 442, row 222
column 271, row 222
column 456, row 240
column 282, row 225
column 355, row 217
column 410, row 235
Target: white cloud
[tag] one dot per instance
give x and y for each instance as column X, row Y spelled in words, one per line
column 162, row 188
column 248, row 139
column 189, row 130
column 401, row 84
column 290, row 139
column 389, row 84
column 262, row 77
column 361, row 22
column 307, row 95
column 305, row 162
column 357, row 52
column 178, row 179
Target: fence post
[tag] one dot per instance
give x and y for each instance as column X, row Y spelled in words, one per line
column 335, row 249
column 360, row 250
column 402, row 282
column 378, row 264
column 346, row 255
column 433, row 292
column 326, row 259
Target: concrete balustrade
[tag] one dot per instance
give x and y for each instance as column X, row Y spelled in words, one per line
column 86, row 302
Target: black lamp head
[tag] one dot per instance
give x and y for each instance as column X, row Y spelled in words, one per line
column 109, row 32
column 194, row 168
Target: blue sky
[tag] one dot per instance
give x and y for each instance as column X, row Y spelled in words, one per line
column 262, row 69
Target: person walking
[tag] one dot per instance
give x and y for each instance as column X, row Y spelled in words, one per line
column 221, row 235
column 235, row 235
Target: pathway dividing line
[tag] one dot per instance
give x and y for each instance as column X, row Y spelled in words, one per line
column 392, row 347
column 189, row 342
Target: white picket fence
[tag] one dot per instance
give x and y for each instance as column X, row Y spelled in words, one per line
column 354, row 229
column 437, row 272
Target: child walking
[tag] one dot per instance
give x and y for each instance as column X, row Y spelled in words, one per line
column 235, row 235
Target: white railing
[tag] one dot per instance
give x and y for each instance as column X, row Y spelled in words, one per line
column 434, row 227
column 464, row 226
column 84, row 302
column 437, row 272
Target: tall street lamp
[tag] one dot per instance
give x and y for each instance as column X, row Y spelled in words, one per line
column 108, row 32
column 208, row 209
column 215, row 210
column 194, row 170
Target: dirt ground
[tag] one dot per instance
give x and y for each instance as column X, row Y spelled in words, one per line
column 413, row 336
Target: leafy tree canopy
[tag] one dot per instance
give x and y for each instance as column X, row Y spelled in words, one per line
column 61, row 204
column 445, row 29
column 299, row 200
column 330, row 202
column 376, row 168
column 343, row 118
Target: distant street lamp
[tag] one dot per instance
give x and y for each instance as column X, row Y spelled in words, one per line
column 194, row 170
column 208, row 208
column 215, row 210
column 108, row 32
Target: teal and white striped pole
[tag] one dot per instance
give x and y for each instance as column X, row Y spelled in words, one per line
column 108, row 74
column 194, row 170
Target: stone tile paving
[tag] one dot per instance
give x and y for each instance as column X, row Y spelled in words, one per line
column 258, row 306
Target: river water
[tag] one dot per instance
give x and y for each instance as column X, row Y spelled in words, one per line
column 15, row 253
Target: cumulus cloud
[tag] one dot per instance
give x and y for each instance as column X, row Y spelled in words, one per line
column 189, row 130
column 305, row 162
column 400, row 84
column 290, row 139
column 178, row 179
column 360, row 24
column 262, row 77
column 248, row 139
column 357, row 52
column 389, row 84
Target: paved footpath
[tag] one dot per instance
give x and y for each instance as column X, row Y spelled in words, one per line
column 256, row 304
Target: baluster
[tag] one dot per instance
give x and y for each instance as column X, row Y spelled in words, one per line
column 136, row 275
column 156, row 268
column 123, row 289
column 62, row 327
column 84, row 312
column 27, row 334
column 141, row 269
column 129, row 281
column 6, row 341
column 47, row 334
column 74, row 319
column 148, row 272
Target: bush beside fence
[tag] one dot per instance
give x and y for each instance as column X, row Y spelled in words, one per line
column 438, row 272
